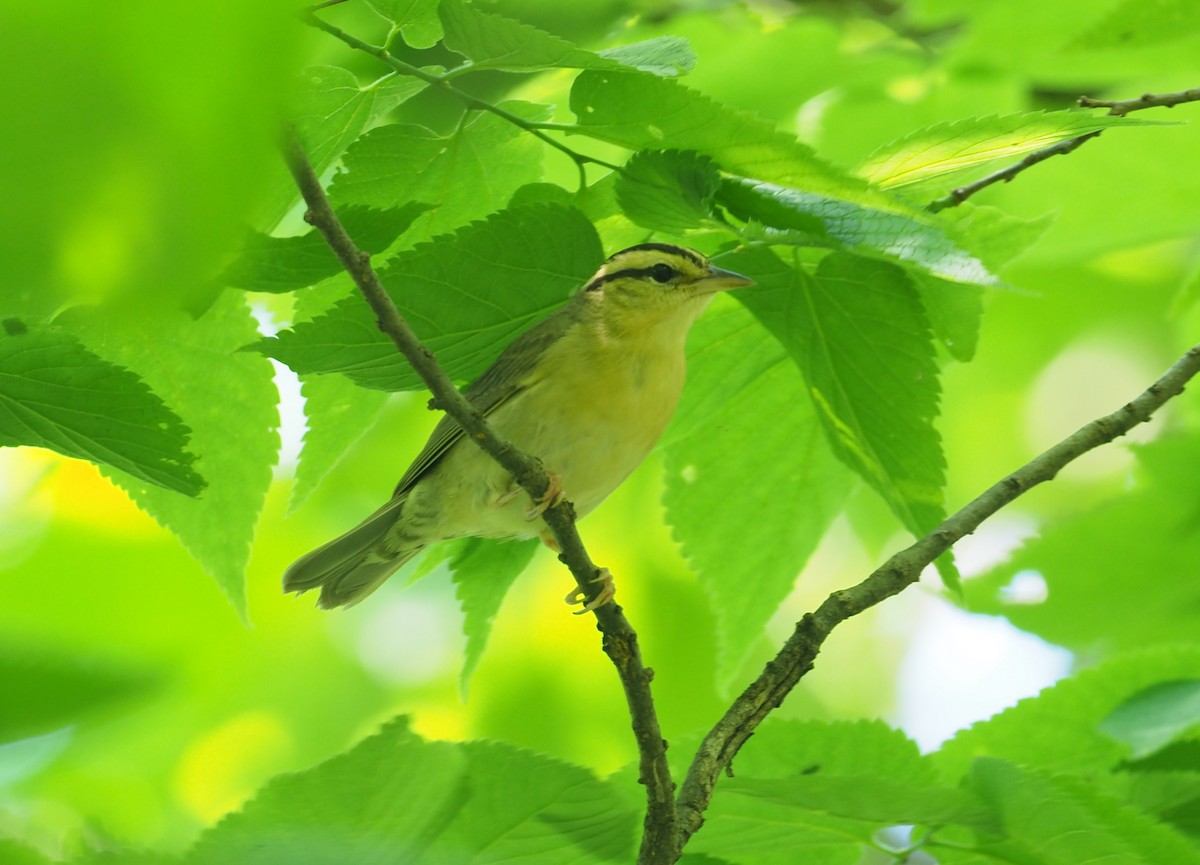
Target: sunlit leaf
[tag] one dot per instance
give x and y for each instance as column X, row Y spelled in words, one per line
column 668, row 190
column 947, row 147
column 56, row 394
column 789, row 485
column 227, row 397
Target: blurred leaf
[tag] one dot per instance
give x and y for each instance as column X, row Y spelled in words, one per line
column 394, row 797
column 463, row 176
column 952, row 146
column 1135, row 24
column 466, row 295
column 1152, row 719
column 43, row 692
column 279, row 264
column 493, row 41
column 646, row 112
column 743, row 424
column 861, row 339
column 1121, row 573
column 668, row 190
column 955, row 313
column 226, row 396
column 1059, row 729
column 662, row 55
column 905, row 239
column 416, row 20
column 991, row 235
column 56, row 394
column 483, row 572
column 12, row 853
column 1066, row 821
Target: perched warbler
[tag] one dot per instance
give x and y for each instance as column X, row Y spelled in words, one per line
column 589, row 391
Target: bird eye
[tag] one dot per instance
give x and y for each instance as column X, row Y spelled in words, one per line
column 662, row 273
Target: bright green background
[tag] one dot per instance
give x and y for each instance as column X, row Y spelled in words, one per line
column 143, row 695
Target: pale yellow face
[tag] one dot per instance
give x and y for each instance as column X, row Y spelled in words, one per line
column 654, row 280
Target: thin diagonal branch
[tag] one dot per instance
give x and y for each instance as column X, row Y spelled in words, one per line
column 716, row 753
column 620, row 641
column 1117, row 108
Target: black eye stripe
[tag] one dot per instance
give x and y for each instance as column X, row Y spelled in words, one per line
column 635, row 272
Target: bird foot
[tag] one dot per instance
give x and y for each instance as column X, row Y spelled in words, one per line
column 552, row 496
column 608, row 591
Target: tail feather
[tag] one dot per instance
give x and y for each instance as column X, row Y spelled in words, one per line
column 351, row 566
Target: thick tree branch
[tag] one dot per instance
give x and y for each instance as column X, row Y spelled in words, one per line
column 1117, row 108
column 796, row 658
column 620, row 641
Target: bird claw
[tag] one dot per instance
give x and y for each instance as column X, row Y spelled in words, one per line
column 548, row 499
column 608, row 591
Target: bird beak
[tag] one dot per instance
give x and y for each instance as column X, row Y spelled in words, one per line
column 721, row 280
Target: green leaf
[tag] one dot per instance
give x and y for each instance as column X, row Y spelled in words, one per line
column 1068, row 821
column 1084, row 562
column 993, row 236
column 668, row 190
column 463, row 176
column 493, row 41
column 45, row 692
column 1152, row 719
column 955, row 313
column 467, row 295
column 817, row 792
column 396, row 798
column 662, row 55
column 56, row 394
column 1137, row 24
column 279, row 264
column 952, row 146
column 749, row 558
column 416, row 20
column 226, row 396
column 522, row 807
column 12, row 853
column 646, row 112
column 858, row 333
column 483, row 571
column 378, row 802
column 1059, row 729
column 910, row 240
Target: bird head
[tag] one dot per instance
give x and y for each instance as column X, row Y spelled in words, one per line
column 650, row 284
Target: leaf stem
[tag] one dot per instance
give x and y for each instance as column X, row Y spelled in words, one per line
column 661, row 836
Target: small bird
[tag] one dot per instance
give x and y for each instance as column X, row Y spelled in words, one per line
column 589, row 391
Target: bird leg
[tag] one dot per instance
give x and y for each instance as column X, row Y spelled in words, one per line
column 608, row 591
column 552, row 496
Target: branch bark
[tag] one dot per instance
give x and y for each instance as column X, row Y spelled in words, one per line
column 620, row 642
column 1116, row 108
column 781, row 674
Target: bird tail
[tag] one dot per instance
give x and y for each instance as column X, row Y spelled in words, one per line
column 351, row 566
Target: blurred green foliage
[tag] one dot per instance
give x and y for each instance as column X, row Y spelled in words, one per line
column 891, row 364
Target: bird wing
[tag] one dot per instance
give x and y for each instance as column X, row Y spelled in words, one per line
column 506, row 377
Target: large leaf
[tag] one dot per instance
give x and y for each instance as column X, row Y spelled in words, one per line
column 493, row 41
column 279, row 264
column 789, row 484
column 957, row 145
column 396, row 798
column 56, row 394
column 462, row 176
column 1121, row 575
column 226, row 396
column 645, row 112
column 861, row 339
column 668, row 190
column 1062, row 728
column 911, row 240
column 467, row 295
